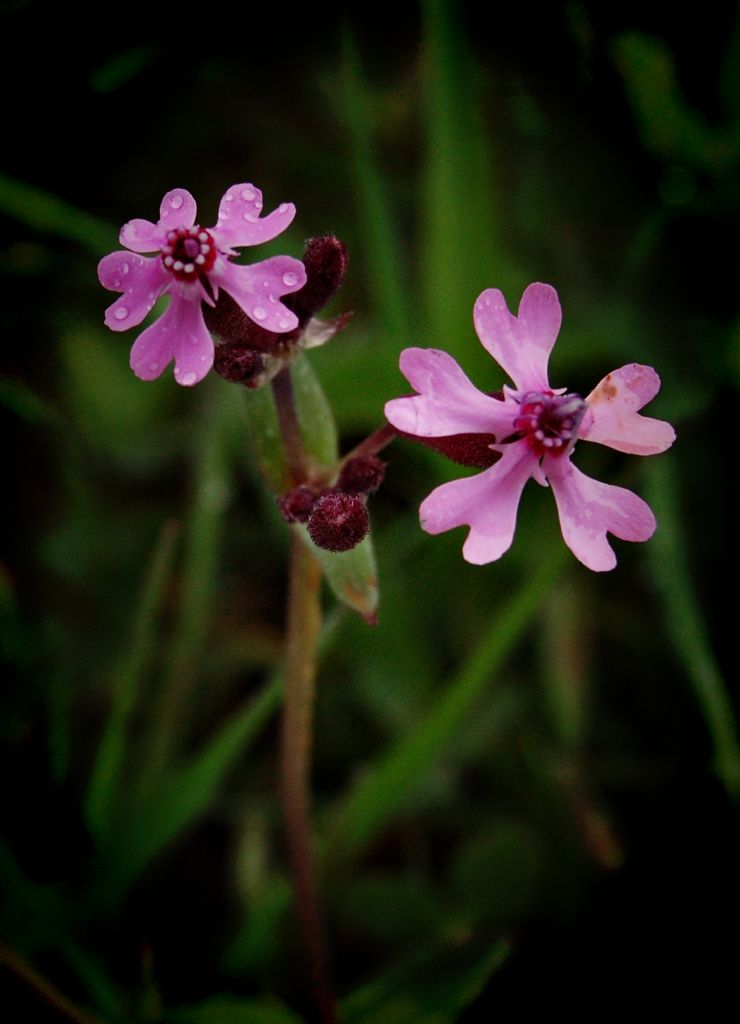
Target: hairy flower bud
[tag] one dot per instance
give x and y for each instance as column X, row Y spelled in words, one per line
column 238, row 364
column 326, row 261
column 362, row 474
column 295, row 506
column 338, row 521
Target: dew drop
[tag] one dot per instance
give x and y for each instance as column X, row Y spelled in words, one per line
column 283, row 208
column 154, row 367
column 250, row 217
column 176, row 202
column 289, row 279
column 228, row 198
column 117, row 283
column 285, row 324
column 188, row 379
column 248, row 195
column 259, row 313
column 121, row 313
column 124, row 268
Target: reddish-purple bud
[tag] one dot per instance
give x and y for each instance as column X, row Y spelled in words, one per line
column 230, row 324
column 361, row 475
column 338, row 521
column 238, row 364
column 295, row 506
column 326, row 261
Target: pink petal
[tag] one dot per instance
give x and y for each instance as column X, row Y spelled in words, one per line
column 239, row 221
column 179, row 334
column 588, row 509
column 616, row 423
column 520, row 345
column 141, row 280
column 257, row 289
column 448, row 403
column 177, row 210
column 487, row 503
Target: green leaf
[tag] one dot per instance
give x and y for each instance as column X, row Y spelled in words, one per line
column 352, row 575
column 267, row 441
column 316, row 419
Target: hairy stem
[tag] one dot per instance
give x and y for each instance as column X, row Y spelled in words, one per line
column 302, row 634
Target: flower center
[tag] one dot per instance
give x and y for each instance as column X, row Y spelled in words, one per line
column 189, row 252
column 549, row 423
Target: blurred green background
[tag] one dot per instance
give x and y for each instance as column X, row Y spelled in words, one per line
column 525, row 774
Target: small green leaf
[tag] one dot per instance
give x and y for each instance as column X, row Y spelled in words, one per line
column 315, row 417
column 352, row 575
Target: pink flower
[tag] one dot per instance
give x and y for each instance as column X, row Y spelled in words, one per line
column 535, row 428
column 191, row 265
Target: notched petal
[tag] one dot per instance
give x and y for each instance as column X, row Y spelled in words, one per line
column 240, row 221
column 589, row 509
column 142, row 281
column 614, row 405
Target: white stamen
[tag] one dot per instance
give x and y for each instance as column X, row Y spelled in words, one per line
column 178, row 265
column 189, row 268
column 200, row 260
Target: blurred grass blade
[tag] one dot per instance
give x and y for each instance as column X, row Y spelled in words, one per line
column 686, row 624
column 44, row 212
column 184, row 793
column 433, row 986
column 380, row 243
column 388, row 787
column 103, row 791
column 203, row 540
column 233, row 1010
column 461, row 249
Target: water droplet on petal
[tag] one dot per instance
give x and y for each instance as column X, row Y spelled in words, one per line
column 116, row 283
column 228, row 198
column 154, row 367
column 248, row 195
column 124, row 268
column 121, row 313
column 273, row 298
column 289, row 279
column 188, row 379
column 251, row 217
column 176, row 202
column 285, row 324
column 283, row 208
column 259, row 313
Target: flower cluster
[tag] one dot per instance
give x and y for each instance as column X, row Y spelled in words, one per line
column 192, row 264
column 530, row 431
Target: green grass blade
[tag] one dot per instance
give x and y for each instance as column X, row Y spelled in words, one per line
column 686, row 624
column 387, row 788
column 380, row 248
column 44, row 212
column 184, row 793
column 461, row 250
column 203, row 541
column 103, row 790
